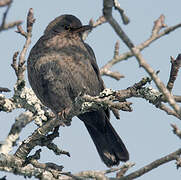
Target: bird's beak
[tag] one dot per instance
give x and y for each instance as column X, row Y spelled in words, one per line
column 82, row 28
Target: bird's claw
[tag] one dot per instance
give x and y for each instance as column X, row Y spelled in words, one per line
column 62, row 116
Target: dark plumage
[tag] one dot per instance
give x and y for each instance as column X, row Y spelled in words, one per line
column 60, row 66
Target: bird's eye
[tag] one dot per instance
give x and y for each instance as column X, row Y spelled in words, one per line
column 67, row 27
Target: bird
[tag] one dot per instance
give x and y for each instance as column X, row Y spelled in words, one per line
column 61, row 66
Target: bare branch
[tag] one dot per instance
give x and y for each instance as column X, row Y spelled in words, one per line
column 14, row 165
column 19, row 67
column 10, row 25
column 5, row 15
column 106, row 69
column 79, row 107
column 98, row 175
column 124, row 169
column 176, row 130
column 4, row 25
column 14, row 64
column 2, row 89
column 101, row 20
column 82, row 104
column 126, row 165
column 21, row 63
column 21, row 31
column 125, row 19
column 176, row 64
column 107, row 101
column 116, row 49
column 153, row 165
column 157, row 81
column 21, row 121
column 158, row 25
column 26, row 99
column 177, row 98
column 168, row 110
column 178, row 162
column 115, row 75
column 5, row 2
column 107, row 11
column 141, row 46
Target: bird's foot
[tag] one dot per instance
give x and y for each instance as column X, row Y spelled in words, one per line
column 62, row 116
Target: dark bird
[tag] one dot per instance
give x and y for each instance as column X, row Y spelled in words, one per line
column 61, row 66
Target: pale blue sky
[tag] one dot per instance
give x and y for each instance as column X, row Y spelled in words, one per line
column 146, row 131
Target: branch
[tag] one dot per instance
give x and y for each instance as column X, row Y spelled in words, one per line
column 50, row 171
column 142, row 46
column 5, row 2
column 176, row 130
column 125, row 19
column 176, row 64
column 99, row 175
column 20, row 67
column 26, row 99
column 169, row 97
column 168, row 110
column 106, row 70
column 153, row 165
column 10, row 163
column 21, row 121
column 80, row 106
column 5, row 15
column 158, row 25
column 10, row 25
column 86, row 103
column 13, row 164
column 107, row 11
column 23, row 97
column 101, row 20
column 4, row 25
column 2, row 89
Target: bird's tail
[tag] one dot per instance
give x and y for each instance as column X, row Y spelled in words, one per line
column 110, row 147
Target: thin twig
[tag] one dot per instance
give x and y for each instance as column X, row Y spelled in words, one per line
column 153, row 165
column 4, row 25
column 142, row 62
column 168, row 110
column 107, row 11
column 4, row 16
column 125, row 167
column 21, row 121
column 125, row 18
column 101, row 20
column 5, row 2
column 97, row 175
column 158, row 25
column 10, row 25
column 14, row 63
column 106, row 70
column 176, row 64
column 2, row 89
column 21, row 31
column 176, row 130
column 141, row 47
column 21, row 62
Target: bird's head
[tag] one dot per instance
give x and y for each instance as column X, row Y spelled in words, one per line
column 66, row 23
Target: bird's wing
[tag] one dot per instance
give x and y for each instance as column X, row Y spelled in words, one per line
column 94, row 65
